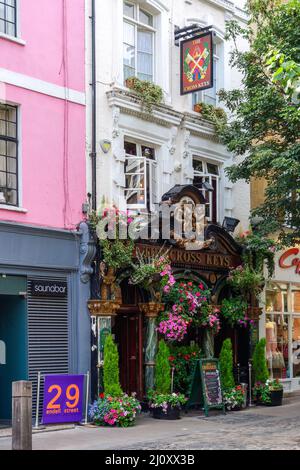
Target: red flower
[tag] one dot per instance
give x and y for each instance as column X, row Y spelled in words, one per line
column 201, row 286
column 171, row 358
column 102, row 395
column 187, row 357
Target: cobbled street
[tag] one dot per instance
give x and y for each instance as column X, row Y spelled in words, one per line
column 257, row 428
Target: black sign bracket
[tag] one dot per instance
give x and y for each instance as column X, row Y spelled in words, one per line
column 189, row 32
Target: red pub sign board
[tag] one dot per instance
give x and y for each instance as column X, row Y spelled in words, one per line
column 196, row 63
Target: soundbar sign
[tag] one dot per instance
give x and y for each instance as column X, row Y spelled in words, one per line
column 49, row 288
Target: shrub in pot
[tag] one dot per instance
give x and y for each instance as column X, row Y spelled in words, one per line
column 260, row 369
column 113, row 407
column 164, row 405
column 226, row 365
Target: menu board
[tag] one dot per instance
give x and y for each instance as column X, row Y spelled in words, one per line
column 206, row 386
column 211, row 381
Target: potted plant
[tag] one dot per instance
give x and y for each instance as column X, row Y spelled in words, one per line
column 113, row 407
column 226, row 366
column 164, row 405
column 114, row 411
column 259, row 361
column 269, row 393
column 245, row 279
column 152, row 274
column 234, row 398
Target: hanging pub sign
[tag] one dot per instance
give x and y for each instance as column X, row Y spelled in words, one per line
column 196, row 63
column 206, row 386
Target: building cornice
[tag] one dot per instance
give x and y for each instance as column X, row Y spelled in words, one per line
column 35, row 230
column 230, row 7
column 163, row 115
column 130, row 103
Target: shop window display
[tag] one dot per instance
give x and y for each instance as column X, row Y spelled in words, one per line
column 283, row 330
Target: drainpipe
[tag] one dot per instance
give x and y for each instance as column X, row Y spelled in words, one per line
column 94, row 112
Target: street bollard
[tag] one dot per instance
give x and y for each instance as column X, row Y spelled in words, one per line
column 22, row 415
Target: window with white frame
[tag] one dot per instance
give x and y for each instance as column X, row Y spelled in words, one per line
column 8, row 17
column 282, row 329
column 8, row 155
column 206, row 178
column 209, row 96
column 140, row 176
column 138, row 42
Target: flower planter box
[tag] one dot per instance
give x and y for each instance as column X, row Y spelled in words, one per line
column 172, row 413
column 276, row 399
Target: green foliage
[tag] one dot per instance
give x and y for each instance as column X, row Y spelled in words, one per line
column 265, row 122
column 245, row 279
column 117, row 253
column 162, row 369
column 148, row 92
column 258, row 250
column 214, row 114
column 183, row 359
column 226, row 366
column 234, row 311
column 260, row 369
column 111, row 227
column 111, row 368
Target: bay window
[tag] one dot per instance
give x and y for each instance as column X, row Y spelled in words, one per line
column 138, row 42
column 8, row 155
column 206, row 178
column 140, row 176
column 8, row 17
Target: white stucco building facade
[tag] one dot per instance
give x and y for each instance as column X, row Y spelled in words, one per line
column 173, row 144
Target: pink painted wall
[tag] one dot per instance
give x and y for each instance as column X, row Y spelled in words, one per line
column 40, row 24
column 52, row 131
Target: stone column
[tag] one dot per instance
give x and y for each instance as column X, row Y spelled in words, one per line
column 151, row 311
column 104, row 311
column 208, row 343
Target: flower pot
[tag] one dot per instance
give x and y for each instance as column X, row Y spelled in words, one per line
column 129, row 82
column 171, row 414
column 197, row 108
column 276, row 397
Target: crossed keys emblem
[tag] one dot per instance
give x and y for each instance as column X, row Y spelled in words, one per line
column 189, row 58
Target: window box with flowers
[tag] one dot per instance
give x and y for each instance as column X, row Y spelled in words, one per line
column 149, row 93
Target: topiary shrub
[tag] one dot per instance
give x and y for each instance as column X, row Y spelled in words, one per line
column 226, row 365
column 111, row 368
column 260, row 368
column 162, row 369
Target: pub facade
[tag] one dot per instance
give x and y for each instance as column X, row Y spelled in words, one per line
column 140, row 154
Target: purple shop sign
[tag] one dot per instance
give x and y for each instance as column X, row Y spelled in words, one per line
column 63, row 399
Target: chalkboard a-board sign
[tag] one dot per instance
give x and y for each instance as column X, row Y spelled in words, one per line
column 206, row 386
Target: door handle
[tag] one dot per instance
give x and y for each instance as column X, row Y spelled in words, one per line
column 133, row 358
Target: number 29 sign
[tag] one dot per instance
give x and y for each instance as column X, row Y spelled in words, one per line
column 63, row 399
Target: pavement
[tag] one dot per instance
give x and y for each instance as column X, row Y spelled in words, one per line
column 257, row 428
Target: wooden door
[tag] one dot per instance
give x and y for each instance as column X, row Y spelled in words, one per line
column 129, row 340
